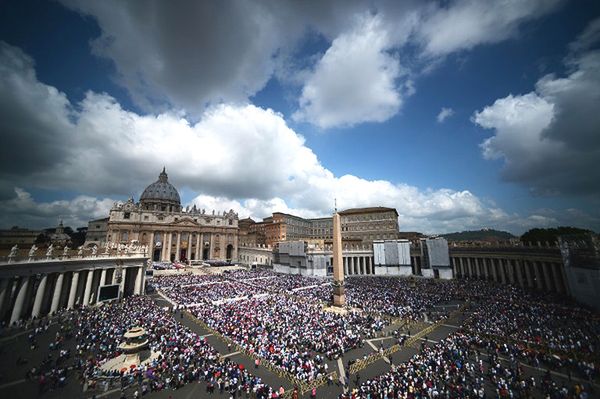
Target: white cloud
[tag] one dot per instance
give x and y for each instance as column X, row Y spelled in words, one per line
column 464, row 24
column 205, row 53
column 24, row 211
column 237, row 156
column 355, row 81
column 444, row 114
column 548, row 138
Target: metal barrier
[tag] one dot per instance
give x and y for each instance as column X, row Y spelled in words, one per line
column 372, row 358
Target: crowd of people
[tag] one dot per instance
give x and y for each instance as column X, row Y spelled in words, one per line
column 506, row 333
column 179, row 355
column 405, row 298
column 295, row 336
column 455, row 368
column 208, row 293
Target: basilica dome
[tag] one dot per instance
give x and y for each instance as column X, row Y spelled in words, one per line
column 161, row 195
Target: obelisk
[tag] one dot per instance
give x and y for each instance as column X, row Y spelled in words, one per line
column 339, row 297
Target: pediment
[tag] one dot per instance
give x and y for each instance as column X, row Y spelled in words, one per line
column 185, row 222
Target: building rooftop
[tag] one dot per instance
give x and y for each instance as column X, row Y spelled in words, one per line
column 374, row 209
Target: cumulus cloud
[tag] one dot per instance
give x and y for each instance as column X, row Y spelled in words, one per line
column 24, row 211
column 204, row 53
column 355, row 81
column 464, row 24
column 548, row 138
column 237, row 156
column 444, row 114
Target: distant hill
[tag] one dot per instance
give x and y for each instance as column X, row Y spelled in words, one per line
column 490, row 235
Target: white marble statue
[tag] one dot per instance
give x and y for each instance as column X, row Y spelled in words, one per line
column 80, row 251
column 32, row 251
column 65, row 251
column 13, row 252
column 94, row 250
column 49, row 251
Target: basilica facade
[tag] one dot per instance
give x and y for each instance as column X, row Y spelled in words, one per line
column 171, row 232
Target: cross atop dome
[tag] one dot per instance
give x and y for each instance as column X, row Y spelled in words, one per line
column 163, row 175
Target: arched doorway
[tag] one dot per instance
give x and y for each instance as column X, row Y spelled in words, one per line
column 229, row 252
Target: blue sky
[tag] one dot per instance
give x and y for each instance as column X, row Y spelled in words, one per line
column 283, row 106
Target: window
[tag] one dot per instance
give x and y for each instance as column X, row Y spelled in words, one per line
column 146, row 217
column 97, row 226
column 127, row 215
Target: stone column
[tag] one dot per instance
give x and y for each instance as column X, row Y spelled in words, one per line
column 202, row 246
column 165, row 249
column 558, row 284
column 189, row 246
column 546, row 273
column 518, row 271
column 150, row 247
column 3, row 293
column 139, row 277
column 113, row 280
column 57, row 291
column 39, row 297
column 502, row 272
column 493, row 269
column 102, row 277
column 178, row 246
column 198, row 240
column 484, row 270
column 21, row 293
column 235, row 255
column 482, row 264
column 211, row 247
column 511, row 273
column 88, row 288
column 122, row 284
column 170, row 247
column 73, row 291
column 529, row 279
column 345, row 261
column 539, row 283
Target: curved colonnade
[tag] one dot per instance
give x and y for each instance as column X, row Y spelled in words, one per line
column 39, row 288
